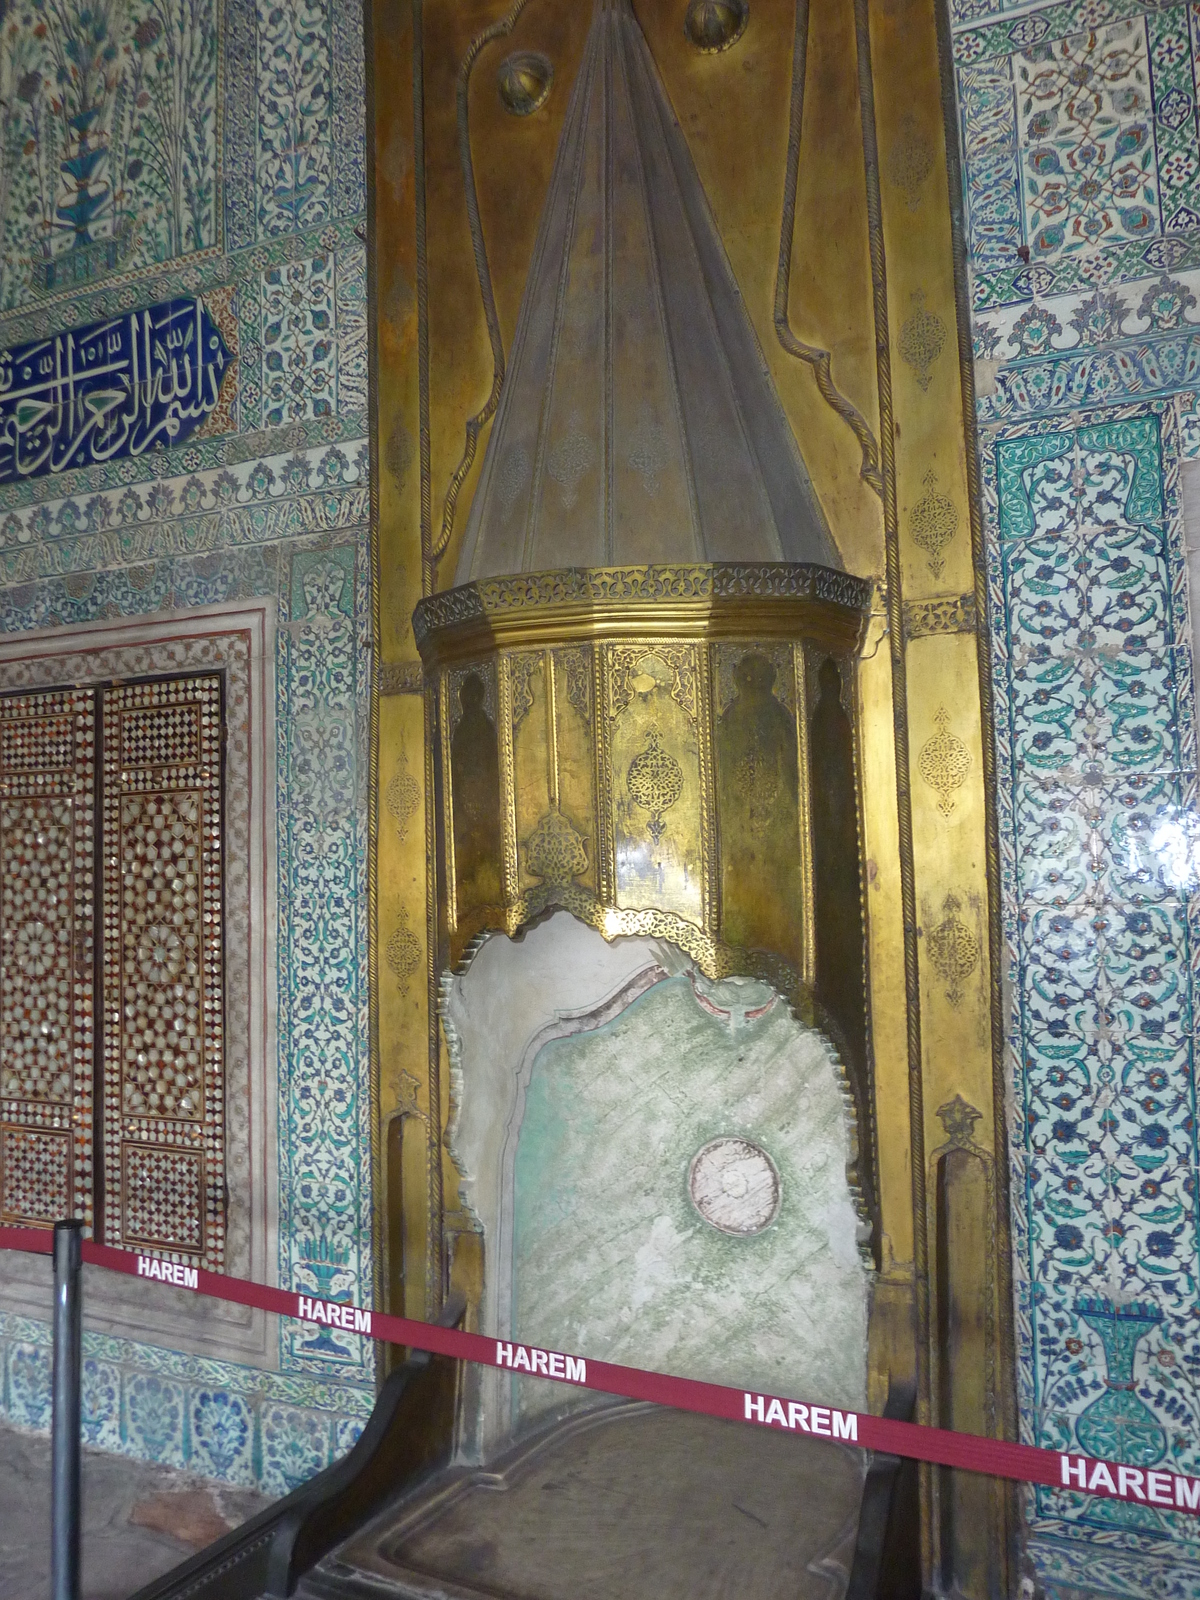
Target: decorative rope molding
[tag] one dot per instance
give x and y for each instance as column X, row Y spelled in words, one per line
column 819, row 360
column 476, row 424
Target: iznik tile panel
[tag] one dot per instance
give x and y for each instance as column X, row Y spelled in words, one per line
column 1095, row 727
column 213, row 167
column 213, row 1417
column 1081, row 165
column 108, row 133
column 1080, row 146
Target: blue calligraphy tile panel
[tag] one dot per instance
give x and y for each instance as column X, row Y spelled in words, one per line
column 183, row 418
column 115, row 389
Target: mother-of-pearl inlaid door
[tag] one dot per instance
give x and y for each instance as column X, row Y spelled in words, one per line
column 47, row 822
column 112, row 1091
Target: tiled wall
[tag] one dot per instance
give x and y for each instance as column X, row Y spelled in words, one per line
column 1078, row 127
column 232, row 169
column 270, row 1429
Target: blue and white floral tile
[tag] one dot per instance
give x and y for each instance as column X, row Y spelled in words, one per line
column 28, row 1368
column 295, row 1446
column 154, row 1420
column 346, row 1433
column 100, row 1394
column 221, row 1432
column 204, row 1414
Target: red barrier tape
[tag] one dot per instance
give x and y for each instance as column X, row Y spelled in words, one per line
column 996, row 1457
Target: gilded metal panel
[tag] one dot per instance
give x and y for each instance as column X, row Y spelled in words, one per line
column 869, row 280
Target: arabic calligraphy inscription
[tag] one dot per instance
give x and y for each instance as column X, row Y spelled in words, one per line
column 115, row 388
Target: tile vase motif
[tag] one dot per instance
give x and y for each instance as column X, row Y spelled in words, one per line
column 1118, row 1426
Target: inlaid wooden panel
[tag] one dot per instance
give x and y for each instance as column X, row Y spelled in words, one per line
column 163, row 1031
column 47, row 799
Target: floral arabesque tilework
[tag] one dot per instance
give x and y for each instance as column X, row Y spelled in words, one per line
column 108, row 119
column 1097, row 749
column 124, row 169
column 299, row 341
column 325, row 1190
column 1084, row 135
column 295, row 115
column 216, row 1418
column 1080, row 142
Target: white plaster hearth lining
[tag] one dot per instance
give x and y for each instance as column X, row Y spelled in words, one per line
column 603, row 1251
column 240, row 640
column 558, row 978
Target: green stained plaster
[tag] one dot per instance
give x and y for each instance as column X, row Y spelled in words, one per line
column 611, row 1258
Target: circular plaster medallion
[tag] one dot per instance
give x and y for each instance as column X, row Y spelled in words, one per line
column 735, row 1186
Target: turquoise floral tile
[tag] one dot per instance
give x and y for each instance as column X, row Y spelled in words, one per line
column 1096, row 742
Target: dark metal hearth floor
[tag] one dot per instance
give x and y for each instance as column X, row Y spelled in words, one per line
column 628, row 1503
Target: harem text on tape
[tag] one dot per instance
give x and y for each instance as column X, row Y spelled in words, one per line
column 1171, row 1491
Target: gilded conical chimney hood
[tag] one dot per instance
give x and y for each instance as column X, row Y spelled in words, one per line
column 642, row 685
column 638, row 421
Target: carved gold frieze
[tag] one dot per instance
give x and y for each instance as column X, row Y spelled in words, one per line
column 644, row 743
column 951, row 613
column 763, row 600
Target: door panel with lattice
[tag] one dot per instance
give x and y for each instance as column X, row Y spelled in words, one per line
column 47, row 887
column 163, row 1029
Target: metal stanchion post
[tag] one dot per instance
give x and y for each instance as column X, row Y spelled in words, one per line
column 65, row 1427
